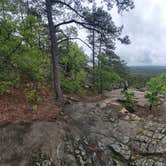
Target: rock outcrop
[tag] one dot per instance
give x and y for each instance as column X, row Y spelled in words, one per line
column 89, row 134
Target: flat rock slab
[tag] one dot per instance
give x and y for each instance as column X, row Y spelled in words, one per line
column 138, row 96
column 89, row 134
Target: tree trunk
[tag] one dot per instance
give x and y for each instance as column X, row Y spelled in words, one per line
column 93, row 49
column 54, row 53
column 100, row 91
column 93, row 56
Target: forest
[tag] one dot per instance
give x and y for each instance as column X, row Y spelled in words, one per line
column 44, row 69
column 37, row 55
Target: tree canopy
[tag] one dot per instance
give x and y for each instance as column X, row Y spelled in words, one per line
column 30, row 28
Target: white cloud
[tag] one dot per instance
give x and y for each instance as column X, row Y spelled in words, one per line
column 146, row 26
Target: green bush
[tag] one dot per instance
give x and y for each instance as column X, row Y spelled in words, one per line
column 153, row 99
column 75, row 82
column 129, row 103
column 156, row 86
column 34, row 108
column 32, row 65
column 8, row 84
column 34, row 92
column 105, row 79
column 104, row 76
column 5, row 87
column 20, row 53
column 73, row 75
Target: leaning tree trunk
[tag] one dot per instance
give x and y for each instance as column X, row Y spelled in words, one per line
column 54, row 53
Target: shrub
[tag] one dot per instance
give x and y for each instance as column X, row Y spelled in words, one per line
column 34, row 108
column 156, row 86
column 5, row 87
column 104, row 75
column 32, row 65
column 75, row 82
column 73, row 75
column 105, row 79
column 153, row 99
column 129, row 103
column 34, row 92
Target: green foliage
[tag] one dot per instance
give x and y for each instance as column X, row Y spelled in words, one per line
column 75, row 82
column 129, row 103
column 8, row 42
column 5, row 87
column 156, row 86
column 104, row 76
column 33, row 64
column 118, row 65
column 139, row 80
column 153, row 98
column 34, row 108
column 148, row 70
column 24, row 48
column 141, row 75
column 35, row 92
column 21, row 57
column 105, row 79
column 73, row 73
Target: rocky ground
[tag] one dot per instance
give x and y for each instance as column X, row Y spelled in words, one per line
column 157, row 114
column 99, row 133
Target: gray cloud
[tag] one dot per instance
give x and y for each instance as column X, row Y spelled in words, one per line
column 146, row 26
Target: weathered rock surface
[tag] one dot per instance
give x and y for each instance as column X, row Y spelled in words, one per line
column 90, row 134
column 138, row 96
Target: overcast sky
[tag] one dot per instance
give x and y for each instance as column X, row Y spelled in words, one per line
column 146, row 26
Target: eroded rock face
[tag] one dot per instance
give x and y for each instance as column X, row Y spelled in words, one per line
column 90, row 134
column 113, row 140
column 19, row 143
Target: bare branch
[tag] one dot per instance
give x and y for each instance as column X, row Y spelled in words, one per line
column 75, row 38
column 83, row 24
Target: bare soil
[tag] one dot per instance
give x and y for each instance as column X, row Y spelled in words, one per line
column 156, row 114
column 14, row 107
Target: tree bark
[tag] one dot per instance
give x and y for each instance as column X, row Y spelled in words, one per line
column 93, row 56
column 93, row 49
column 54, row 53
column 100, row 91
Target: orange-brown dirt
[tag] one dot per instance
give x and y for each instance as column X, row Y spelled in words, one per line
column 14, row 107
